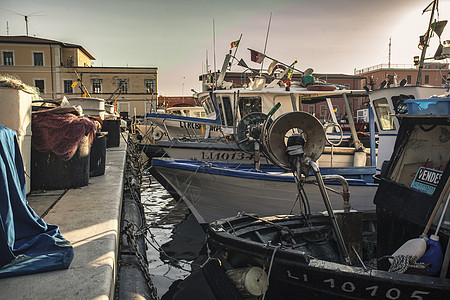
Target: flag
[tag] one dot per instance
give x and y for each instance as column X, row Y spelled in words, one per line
column 428, row 8
column 235, row 43
column 256, row 56
column 438, row 27
column 74, row 84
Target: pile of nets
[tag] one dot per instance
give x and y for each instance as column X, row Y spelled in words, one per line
column 13, row 82
column 60, row 133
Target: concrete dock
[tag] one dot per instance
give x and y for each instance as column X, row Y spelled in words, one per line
column 88, row 217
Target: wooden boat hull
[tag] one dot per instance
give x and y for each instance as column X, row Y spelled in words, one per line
column 297, row 275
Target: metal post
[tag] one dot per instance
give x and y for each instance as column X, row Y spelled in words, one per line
column 424, row 50
column 294, row 102
column 326, row 200
column 358, row 144
column 373, row 154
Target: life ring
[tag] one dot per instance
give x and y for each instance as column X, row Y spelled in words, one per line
column 334, row 125
column 321, row 87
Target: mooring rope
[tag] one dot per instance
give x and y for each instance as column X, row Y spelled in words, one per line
column 401, row 263
column 270, row 268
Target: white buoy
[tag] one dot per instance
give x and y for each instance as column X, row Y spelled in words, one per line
column 414, row 247
column 251, row 281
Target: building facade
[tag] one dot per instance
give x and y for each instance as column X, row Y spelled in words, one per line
column 60, row 69
column 433, row 74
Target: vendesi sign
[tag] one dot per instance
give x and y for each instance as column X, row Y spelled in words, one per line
column 426, row 180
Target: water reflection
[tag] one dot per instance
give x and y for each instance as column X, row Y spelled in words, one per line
column 175, row 237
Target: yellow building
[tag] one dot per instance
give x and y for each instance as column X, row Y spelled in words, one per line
column 60, row 69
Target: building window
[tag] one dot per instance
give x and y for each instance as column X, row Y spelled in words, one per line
column 39, row 83
column 123, row 85
column 38, row 58
column 409, row 79
column 312, row 109
column 68, row 87
column 427, row 79
column 8, row 58
column 323, row 110
column 96, row 86
column 150, row 86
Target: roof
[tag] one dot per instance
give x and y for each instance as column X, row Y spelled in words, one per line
column 23, row 39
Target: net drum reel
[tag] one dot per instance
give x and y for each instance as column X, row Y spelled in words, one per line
column 307, row 127
column 295, row 141
column 249, row 131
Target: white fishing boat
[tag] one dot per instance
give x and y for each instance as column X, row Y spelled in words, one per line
column 389, row 102
column 219, row 190
column 215, row 190
column 181, row 123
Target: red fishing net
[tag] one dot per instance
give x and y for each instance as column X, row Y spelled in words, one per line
column 60, row 133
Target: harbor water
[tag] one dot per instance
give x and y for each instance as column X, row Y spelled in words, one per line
column 174, row 239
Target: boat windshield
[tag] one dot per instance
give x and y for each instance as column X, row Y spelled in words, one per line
column 227, row 111
column 385, row 119
column 421, row 163
column 249, row 104
column 207, row 105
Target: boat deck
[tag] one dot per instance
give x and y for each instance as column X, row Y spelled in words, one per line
column 88, row 217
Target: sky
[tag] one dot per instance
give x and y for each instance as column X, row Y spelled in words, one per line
column 177, row 36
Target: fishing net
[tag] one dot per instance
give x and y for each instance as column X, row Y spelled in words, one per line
column 60, row 133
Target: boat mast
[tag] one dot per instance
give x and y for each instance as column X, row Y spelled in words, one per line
column 389, row 66
column 265, row 43
column 425, row 46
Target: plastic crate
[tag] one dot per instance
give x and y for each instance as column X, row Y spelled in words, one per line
column 433, row 105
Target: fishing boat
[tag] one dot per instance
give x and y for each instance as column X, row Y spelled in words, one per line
column 384, row 254
column 231, row 105
column 202, row 184
column 389, row 100
column 386, row 103
column 253, row 187
column 179, row 123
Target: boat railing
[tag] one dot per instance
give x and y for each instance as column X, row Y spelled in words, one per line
column 384, row 66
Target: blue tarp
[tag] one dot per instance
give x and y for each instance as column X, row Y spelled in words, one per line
column 27, row 243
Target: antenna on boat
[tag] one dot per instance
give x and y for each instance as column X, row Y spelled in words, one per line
column 214, row 49
column 389, row 65
column 424, row 43
column 265, row 44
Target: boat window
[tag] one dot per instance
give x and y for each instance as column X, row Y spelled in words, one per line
column 207, row 105
column 228, row 111
column 385, row 119
column 249, row 104
column 221, row 111
column 421, row 163
column 399, row 103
